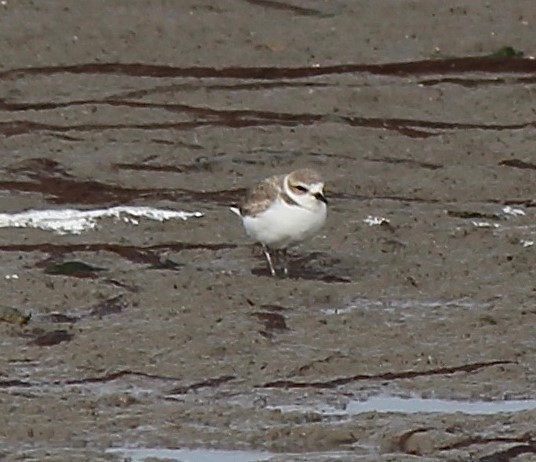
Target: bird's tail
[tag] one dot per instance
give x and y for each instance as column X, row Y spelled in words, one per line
column 235, row 210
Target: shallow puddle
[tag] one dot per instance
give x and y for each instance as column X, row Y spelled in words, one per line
column 220, row 455
column 393, row 404
column 393, row 305
column 192, row 455
column 442, row 406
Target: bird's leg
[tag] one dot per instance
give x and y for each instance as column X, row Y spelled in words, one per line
column 268, row 259
column 284, row 260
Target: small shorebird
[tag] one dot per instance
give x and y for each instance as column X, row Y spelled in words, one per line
column 284, row 210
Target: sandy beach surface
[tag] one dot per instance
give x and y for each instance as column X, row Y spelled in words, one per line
column 405, row 331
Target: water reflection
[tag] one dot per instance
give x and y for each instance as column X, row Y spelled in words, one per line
column 385, row 404
column 191, row 455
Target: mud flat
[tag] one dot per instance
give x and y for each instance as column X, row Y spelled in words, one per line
column 137, row 322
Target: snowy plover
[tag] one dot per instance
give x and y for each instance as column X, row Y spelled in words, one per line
column 284, row 210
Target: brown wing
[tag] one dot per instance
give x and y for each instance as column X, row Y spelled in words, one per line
column 259, row 198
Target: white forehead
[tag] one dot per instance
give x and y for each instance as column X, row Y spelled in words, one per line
column 318, row 186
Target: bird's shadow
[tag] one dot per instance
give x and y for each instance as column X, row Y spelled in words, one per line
column 314, row 266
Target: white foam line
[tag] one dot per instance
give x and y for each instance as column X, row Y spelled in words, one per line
column 513, row 212
column 484, row 224
column 73, row 221
column 375, row 221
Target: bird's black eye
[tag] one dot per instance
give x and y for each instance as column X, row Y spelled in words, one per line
column 301, row 188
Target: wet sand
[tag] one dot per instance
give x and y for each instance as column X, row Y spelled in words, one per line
column 172, row 334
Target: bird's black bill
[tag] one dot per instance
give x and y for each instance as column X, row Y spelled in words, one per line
column 321, row 197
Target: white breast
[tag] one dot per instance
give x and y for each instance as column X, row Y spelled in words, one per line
column 283, row 225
